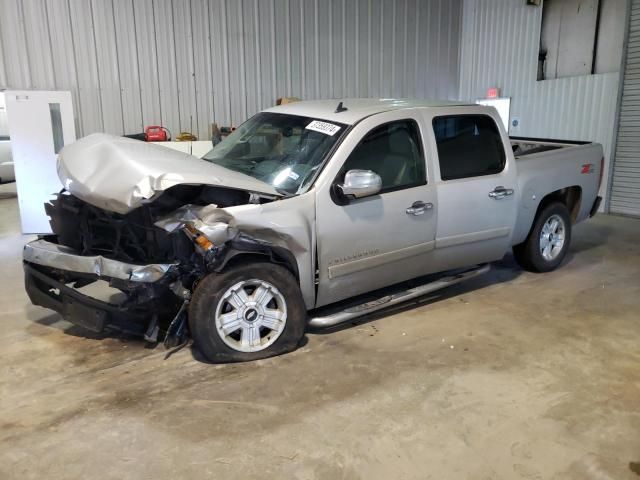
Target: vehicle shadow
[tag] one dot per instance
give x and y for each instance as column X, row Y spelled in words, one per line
column 588, row 236
column 502, row 271
column 199, row 357
column 7, row 195
column 56, row 321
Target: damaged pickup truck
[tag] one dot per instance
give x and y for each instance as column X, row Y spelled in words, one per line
column 309, row 214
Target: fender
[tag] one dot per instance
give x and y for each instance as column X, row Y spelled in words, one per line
column 244, row 245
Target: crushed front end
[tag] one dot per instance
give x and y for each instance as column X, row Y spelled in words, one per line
column 55, row 274
column 152, row 268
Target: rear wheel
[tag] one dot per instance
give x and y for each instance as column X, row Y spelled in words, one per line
column 548, row 242
column 249, row 312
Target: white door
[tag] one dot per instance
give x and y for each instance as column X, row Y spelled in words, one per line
column 386, row 238
column 40, row 124
column 477, row 198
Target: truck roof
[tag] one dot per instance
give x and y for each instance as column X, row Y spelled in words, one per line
column 357, row 108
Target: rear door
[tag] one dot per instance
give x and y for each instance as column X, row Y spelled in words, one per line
column 476, row 187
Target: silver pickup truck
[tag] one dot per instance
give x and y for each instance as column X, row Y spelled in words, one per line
column 308, row 215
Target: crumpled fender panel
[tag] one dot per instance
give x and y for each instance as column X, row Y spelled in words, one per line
column 215, row 223
column 285, row 230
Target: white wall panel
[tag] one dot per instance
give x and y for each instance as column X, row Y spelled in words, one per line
column 39, row 56
column 147, row 55
column 202, row 65
column 220, row 61
column 104, row 29
column 167, row 69
column 89, row 108
column 3, row 72
column 13, row 41
column 62, row 47
column 130, row 63
column 185, row 68
column 499, row 48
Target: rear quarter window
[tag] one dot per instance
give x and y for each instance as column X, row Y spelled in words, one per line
column 468, row 146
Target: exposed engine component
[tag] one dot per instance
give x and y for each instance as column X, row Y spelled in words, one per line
column 134, row 236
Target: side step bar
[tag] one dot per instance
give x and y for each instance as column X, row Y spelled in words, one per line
column 395, row 298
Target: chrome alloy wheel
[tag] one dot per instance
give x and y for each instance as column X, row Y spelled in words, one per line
column 251, row 315
column 552, row 237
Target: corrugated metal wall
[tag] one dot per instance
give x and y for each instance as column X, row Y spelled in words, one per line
column 186, row 63
column 625, row 188
column 499, row 47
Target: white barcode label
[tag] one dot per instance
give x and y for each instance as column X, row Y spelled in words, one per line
column 323, row 127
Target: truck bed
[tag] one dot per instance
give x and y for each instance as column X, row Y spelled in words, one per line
column 546, row 166
column 523, row 146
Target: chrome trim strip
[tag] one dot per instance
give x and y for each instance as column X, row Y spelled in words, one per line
column 52, row 255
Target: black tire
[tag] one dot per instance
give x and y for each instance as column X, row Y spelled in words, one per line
column 210, row 292
column 528, row 254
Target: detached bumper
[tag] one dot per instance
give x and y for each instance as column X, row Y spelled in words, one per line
column 79, row 309
column 64, row 258
column 50, row 269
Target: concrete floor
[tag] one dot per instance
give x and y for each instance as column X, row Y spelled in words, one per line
column 511, row 376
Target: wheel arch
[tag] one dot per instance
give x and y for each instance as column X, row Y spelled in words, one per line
column 244, row 250
column 571, row 197
column 529, row 254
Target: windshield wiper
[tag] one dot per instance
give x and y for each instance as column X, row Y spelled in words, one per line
column 284, row 193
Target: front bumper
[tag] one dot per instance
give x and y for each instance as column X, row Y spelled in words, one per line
column 42, row 252
column 50, row 269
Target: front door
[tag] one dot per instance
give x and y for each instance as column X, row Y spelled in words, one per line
column 477, row 195
column 386, row 238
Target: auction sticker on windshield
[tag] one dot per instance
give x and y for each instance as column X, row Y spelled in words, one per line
column 323, row 127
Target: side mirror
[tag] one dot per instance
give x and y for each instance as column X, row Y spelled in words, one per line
column 360, row 183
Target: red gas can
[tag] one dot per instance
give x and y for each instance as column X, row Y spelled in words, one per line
column 155, row 133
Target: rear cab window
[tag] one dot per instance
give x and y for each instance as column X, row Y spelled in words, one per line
column 468, row 146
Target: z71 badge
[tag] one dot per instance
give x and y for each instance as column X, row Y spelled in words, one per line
column 588, row 168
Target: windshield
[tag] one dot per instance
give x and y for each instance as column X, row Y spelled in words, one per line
column 282, row 150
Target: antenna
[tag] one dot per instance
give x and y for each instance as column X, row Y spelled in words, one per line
column 340, row 108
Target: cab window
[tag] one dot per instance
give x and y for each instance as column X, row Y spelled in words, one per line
column 394, row 152
column 468, row 146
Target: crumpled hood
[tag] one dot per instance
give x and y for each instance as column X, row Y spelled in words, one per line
column 120, row 174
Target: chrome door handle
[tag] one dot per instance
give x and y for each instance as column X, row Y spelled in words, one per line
column 500, row 192
column 419, row 207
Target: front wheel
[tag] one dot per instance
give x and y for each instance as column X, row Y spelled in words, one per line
column 249, row 312
column 548, row 242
